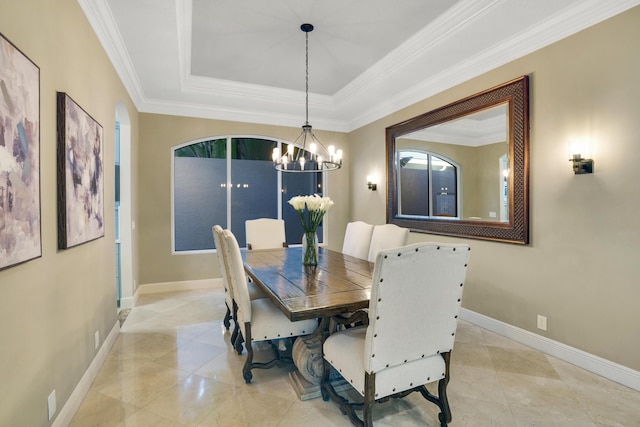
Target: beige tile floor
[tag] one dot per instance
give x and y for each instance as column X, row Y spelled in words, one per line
column 172, row 366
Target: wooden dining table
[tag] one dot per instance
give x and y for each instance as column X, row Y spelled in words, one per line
column 338, row 284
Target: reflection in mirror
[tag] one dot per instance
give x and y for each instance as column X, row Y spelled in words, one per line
column 462, row 169
column 456, row 169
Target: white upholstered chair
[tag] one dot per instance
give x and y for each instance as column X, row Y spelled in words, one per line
column 228, row 296
column 386, row 236
column 357, row 239
column 265, row 233
column 261, row 319
column 413, row 314
column 254, row 291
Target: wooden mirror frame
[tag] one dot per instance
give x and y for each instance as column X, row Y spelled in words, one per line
column 516, row 230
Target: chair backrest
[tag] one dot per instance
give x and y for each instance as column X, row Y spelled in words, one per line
column 357, row 239
column 237, row 278
column 265, row 233
column 416, row 296
column 387, row 236
column 218, row 237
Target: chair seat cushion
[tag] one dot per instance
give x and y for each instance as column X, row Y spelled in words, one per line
column 268, row 322
column 345, row 351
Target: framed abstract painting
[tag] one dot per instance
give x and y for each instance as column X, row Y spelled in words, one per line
column 20, row 223
column 80, row 175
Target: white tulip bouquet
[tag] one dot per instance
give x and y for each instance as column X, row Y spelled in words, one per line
column 311, row 210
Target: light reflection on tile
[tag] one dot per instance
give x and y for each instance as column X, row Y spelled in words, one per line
column 172, row 366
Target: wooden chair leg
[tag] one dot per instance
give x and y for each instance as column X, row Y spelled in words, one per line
column 441, row 400
column 445, row 415
column 369, row 398
column 246, row 369
column 237, row 344
column 227, row 318
column 325, row 383
column 236, row 326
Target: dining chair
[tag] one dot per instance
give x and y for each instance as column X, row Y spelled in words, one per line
column 386, row 236
column 260, row 319
column 415, row 300
column 232, row 308
column 265, row 233
column 357, row 239
column 228, row 296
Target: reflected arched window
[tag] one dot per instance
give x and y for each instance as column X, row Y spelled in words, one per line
column 428, row 185
column 227, row 180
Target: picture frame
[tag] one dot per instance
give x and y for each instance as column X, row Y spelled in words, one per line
column 80, row 156
column 20, row 216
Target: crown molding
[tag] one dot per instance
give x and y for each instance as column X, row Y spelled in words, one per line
column 570, row 21
column 101, row 20
column 353, row 104
column 204, row 111
column 461, row 14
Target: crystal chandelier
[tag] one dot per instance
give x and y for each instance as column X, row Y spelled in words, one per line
column 306, row 153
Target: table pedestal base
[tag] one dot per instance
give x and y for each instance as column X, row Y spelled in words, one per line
column 307, row 356
column 307, row 391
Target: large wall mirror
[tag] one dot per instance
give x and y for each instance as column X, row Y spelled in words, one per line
column 463, row 169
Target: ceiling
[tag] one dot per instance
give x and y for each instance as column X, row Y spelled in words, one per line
column 245, row 60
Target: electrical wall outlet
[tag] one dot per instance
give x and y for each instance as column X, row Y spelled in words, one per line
column 96, row 338
column 542, row 322
column 51, row 404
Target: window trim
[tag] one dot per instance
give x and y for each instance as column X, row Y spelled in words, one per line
column 459, row 188
column 229, row 137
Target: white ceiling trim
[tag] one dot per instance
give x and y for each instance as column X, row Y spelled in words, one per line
column 349, row 108
column 259, row 116
column 219, row 87
column 442, row 28
column 573, row 20
column 113, row 44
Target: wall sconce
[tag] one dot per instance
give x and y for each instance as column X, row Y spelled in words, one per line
column 372, row 182
column 580, row 165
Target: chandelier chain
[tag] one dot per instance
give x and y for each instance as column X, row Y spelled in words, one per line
column 306, row 119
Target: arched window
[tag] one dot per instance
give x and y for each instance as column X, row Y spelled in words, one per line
column 428, row 185
column 227, row 180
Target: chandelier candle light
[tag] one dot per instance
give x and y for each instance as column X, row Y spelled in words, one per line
column 313, row 157
column 311, row 210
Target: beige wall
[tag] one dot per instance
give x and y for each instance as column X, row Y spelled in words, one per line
column 581, row 269
column 158, row 134
column 51, row 306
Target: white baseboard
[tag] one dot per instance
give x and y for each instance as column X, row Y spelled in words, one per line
column 605, row 368
column 73, row 403
column 152, row 288
column 126, row 302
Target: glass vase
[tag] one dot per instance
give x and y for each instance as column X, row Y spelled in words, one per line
column 310, row 248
